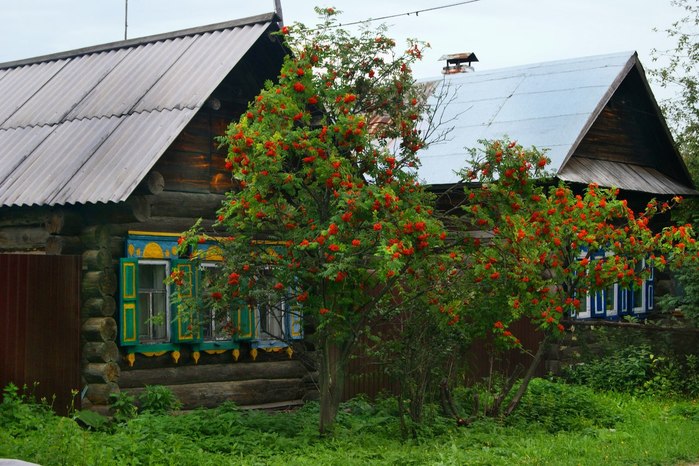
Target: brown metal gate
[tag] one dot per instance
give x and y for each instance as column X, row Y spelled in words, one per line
column 40, row 325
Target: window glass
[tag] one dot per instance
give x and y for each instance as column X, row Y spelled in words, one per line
column 216, row 321
column 270, row 321
column 153, row 301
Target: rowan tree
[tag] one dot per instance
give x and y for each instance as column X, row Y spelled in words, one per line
column 537, row 248
column 327, row 213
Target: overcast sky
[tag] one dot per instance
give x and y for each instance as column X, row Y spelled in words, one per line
column 501, row 32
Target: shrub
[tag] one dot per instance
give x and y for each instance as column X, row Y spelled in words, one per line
column 123, row 406
column 156, row 399
column 561, row 407
column 637, row 370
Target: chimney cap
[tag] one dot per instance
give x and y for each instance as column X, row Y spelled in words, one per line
column 457, row 58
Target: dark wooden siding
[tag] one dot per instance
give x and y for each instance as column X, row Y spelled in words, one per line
column 629, row 130
column 40, row 324
column 194, row 162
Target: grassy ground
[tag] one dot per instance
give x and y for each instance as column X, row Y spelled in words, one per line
column 557, row 425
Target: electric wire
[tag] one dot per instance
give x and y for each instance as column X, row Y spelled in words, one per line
column 416, row 13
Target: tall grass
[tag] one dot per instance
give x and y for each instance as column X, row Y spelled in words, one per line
column 556, row 424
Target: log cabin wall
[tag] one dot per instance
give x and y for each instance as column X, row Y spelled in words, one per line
column 187, row 183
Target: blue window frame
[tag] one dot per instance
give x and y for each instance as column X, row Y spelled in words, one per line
column 615, row 301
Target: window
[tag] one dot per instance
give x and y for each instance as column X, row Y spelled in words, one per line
column 215, row 325
column 614, row 301
column 153, row 300
column 152, row 321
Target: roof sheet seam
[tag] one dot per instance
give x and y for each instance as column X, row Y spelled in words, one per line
column 36, row 91
column 100, row 117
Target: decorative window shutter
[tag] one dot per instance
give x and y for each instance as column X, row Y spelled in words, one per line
column 128, row 302
column 293, row 323
column 244, row 321
column 185, row 326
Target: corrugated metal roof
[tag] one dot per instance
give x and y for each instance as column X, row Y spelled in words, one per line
column 547, row 105
column 86, row 126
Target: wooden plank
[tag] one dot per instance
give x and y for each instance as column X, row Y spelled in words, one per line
column 131, row 378
column 245, row 392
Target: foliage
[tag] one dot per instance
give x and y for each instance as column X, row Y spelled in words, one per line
column 157, row 399
column 686, row 298
column 637, row 370
column 534, row 247
column 563, row 408
column 123, row 406
column 646, row 431
column 327, row 214
column 679, row 73
column 547, row 245
column 19, row 411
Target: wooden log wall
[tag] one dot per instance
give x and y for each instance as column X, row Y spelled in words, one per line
column 209, row 385
column 100, row 354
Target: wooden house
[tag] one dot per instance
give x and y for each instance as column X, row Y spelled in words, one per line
column 108, row 153
column 598, row 121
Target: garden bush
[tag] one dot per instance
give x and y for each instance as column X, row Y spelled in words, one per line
column 560, row 407
column 637, row 370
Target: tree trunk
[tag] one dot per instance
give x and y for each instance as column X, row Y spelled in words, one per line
column 527, row 377
column 333, row 365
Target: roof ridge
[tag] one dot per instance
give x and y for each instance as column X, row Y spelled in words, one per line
column 524, row 67
column 261, row 18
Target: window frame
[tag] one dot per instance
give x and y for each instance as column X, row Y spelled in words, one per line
column 168, row 310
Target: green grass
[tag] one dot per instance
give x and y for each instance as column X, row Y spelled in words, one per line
column 631, row 431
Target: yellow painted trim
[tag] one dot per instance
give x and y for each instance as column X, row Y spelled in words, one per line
column 154, row 233
column 131, row 358
column 175, row 356
column 215, row 351
column 151, row 354
column 240, row 322
column 289, row 351
column 253, row 354
column 126, row 307
column 296, row 322
column 195, row 356
column 153, row 251
column 134, row 288
column 236, row 354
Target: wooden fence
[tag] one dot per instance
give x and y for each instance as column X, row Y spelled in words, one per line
column 366, row 376
column 40, row 325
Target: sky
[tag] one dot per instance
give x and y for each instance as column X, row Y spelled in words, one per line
column 501, row 33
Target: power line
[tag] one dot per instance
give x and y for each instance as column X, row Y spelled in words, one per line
column 416, row 13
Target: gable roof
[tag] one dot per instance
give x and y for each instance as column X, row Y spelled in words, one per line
column 555, row 106
column 86, row 126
